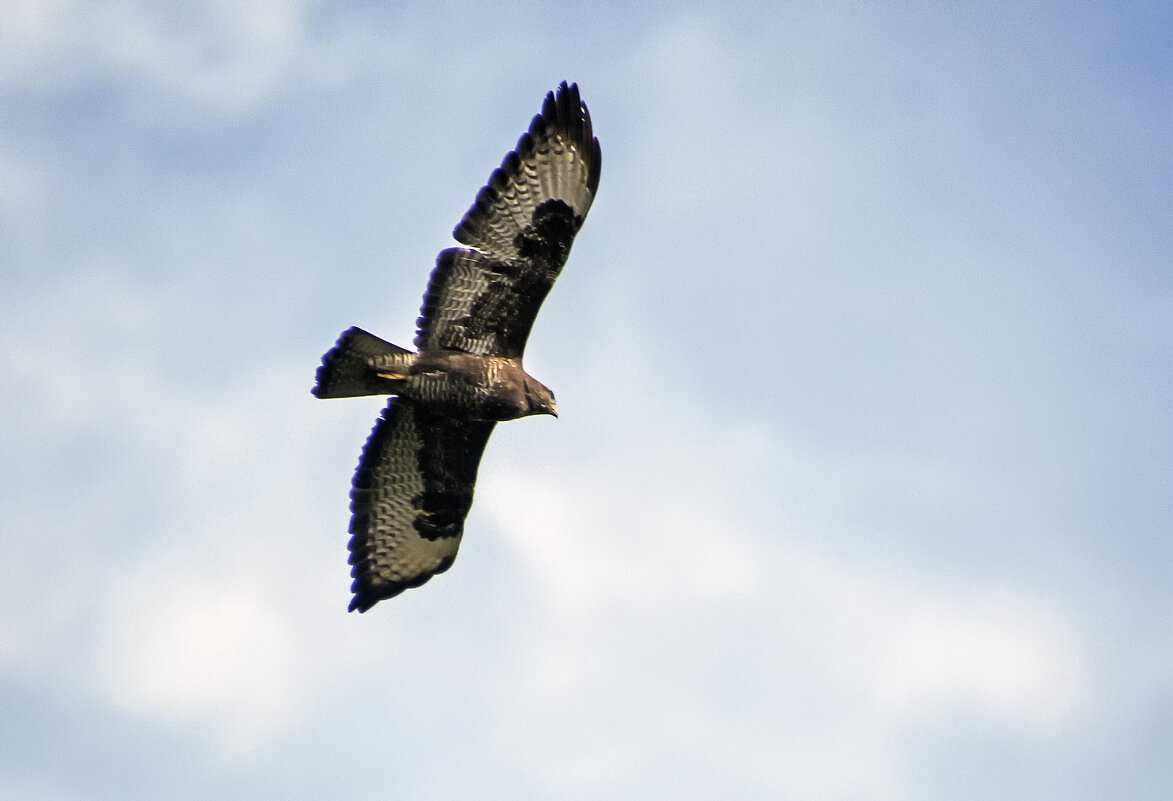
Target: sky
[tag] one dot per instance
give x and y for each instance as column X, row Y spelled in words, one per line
column 861, row 489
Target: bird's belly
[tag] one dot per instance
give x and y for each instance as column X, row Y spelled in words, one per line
column 467, row 396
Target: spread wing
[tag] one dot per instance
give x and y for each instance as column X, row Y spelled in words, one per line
column 412, row 491
column 483, row 299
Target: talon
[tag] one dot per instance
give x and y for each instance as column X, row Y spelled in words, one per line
column 392, row 376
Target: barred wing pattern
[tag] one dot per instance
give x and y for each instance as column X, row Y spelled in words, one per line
column 483, row 299
column 411, row 492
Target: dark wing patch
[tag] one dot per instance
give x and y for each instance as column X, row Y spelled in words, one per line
column 480, row 304
column 484, row 299
column 411, row 493
column 558, row 158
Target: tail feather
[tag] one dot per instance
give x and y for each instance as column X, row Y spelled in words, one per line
column 353, row 366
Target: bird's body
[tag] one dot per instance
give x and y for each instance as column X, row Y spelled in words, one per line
column 414, row 483
column 477, row 387
column 461, row 385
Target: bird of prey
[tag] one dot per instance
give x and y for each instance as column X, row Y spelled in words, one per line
column 414, row 483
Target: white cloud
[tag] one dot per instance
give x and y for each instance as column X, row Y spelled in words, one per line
column 745, row 648
column 167, row 572
column 12, row 790
column 217, row 54
column 1003, row 657
column 182, row 643
column 28, row 29
column 24, row 184
column 214, row 56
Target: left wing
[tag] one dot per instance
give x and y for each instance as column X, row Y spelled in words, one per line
column 483, row 299
column 412, row 490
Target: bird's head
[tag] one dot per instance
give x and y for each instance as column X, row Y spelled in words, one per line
column 539, row 398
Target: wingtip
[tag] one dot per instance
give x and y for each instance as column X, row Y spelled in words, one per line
column 366, row 596
column 565, row 110
column 362, row 602
column 564, row 90
column 367, row 593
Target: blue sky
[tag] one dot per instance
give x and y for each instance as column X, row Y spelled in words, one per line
column 861, row 487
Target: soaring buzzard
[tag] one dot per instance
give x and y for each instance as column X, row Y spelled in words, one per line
column 414, row 483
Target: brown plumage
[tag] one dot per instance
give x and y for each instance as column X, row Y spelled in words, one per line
column 415, row 478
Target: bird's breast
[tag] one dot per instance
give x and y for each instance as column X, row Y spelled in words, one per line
column 469, row 386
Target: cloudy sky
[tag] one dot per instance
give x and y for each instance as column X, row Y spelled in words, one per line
column 862, row 484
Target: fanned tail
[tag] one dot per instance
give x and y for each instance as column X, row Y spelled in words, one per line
column 362, row 364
